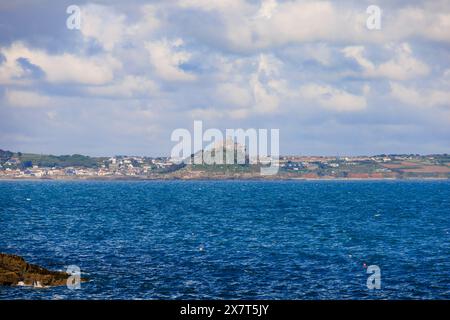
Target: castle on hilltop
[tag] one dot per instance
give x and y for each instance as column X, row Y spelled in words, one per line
column 222, row 152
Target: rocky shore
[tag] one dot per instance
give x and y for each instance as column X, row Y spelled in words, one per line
column 15, row 271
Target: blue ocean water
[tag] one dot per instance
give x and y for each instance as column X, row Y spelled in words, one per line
column 232, row 239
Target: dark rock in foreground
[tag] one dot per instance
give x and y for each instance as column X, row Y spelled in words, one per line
column 14, row 270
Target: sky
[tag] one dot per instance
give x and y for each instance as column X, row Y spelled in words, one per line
column 137, row 70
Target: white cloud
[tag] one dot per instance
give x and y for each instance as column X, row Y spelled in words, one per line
column 402, row 67
column 234, row 94
column 431, row 21
column 332, row 98
column 217, row 114
column 249, row 86
column 299, row 22
column 239, row 113
column 102, row 24
column 111, row 28
column 357, row 53
column 251, row 26
column 149, row 22
column 319, row 52
column 420, row 97
column 62, row 68
column 445, row 78
column 208, row 5
column 254, row 26
column 11, row 72
column 256, row 85
column 130, row 86
column 26, row 99
column 264, row 84
column 267, row 9
column 166, row 58
column 265, row 101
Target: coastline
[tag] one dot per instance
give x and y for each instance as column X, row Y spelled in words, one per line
column 262, row 178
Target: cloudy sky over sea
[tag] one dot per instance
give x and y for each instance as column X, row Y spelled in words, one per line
column 136, row 70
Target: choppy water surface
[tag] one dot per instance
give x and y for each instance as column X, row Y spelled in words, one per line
column 232, row 239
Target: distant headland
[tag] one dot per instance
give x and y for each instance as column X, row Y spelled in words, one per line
column 17, row 165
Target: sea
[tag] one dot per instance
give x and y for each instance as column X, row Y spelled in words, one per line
column 232, row 239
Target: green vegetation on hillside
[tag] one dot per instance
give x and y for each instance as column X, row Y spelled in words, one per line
column 76, row 160
column 25, row 160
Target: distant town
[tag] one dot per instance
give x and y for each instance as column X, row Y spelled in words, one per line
column 17, row 165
